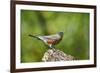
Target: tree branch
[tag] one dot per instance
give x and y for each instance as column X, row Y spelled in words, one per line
column 56, row 55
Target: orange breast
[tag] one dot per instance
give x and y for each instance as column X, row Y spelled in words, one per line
column 50, row 41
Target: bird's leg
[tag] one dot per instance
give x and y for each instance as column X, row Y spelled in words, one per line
column 51, row 46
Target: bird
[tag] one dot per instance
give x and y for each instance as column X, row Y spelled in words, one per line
column 50, row 40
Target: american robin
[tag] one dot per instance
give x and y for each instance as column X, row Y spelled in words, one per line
column 50, row 40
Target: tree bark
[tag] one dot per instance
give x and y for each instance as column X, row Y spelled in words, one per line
column 56, row 55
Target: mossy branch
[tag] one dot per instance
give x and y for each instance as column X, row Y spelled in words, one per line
column 56, row 55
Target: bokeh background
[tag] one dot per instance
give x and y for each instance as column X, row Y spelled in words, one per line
column 75, row 26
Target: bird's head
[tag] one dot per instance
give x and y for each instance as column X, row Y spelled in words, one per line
column 60, row 33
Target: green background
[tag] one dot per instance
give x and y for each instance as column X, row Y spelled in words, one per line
column 74, row 25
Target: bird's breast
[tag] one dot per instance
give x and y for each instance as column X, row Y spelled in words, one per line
column 50, row 41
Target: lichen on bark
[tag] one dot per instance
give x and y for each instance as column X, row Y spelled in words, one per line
column 56, row 55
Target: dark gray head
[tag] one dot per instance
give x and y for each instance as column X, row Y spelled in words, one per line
column 60, row 33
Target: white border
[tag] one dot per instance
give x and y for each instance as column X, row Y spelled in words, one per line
column 52, row 64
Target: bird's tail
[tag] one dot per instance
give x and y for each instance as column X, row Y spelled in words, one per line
column 34, row 36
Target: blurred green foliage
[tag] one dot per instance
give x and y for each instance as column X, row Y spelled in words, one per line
column 74, row 25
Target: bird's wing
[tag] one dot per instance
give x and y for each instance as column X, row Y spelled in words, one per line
column 52, row 37
column 45, row 38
